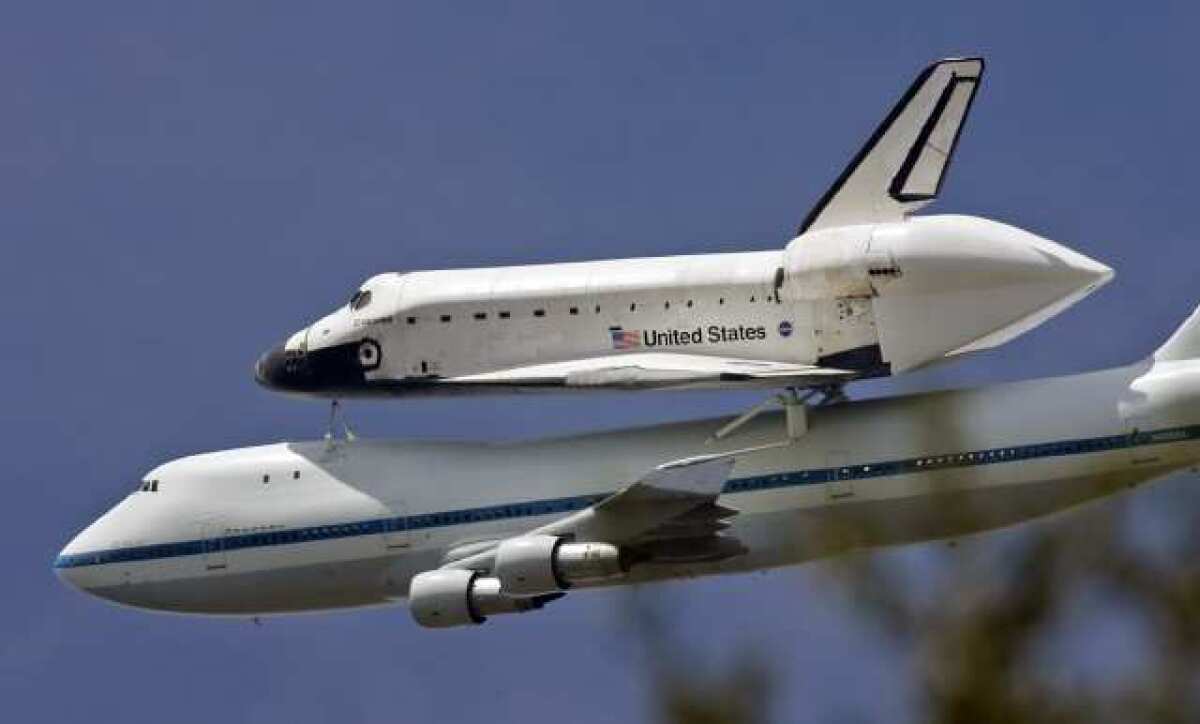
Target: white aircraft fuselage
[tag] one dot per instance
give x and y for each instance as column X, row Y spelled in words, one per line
column 861, row 301
column 864, row 289
column 319, row 525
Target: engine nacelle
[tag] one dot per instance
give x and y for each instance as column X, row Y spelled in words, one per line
column 456, row 597
column 539, row 564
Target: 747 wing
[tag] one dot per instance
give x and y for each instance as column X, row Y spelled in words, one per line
column 674, row 503
column 668, row 515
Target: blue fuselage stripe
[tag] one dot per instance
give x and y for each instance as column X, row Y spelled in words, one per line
column 527, row 509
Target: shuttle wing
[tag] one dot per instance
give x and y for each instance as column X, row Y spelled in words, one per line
column 655, row 370
column 903, row 164
column 669, row 513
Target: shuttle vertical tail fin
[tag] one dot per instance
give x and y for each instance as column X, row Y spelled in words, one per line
column 903, row 164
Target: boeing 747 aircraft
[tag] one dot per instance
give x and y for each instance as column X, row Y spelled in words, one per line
column 465, row 531
column 863, row 290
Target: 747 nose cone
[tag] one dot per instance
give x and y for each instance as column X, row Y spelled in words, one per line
column 65, row 573
column 85, row 565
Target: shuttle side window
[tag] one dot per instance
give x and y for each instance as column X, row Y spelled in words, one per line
column 360, row 299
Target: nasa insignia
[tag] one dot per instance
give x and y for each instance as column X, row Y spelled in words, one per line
column 785, row 328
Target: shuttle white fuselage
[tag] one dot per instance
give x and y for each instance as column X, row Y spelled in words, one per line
column 834, row 305
column 864, row 289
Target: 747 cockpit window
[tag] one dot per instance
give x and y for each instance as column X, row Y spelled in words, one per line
column 360, row 299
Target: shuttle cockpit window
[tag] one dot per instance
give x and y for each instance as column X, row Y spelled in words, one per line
column 360, row 299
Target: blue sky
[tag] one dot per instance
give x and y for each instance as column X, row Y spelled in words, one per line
column 183, row 184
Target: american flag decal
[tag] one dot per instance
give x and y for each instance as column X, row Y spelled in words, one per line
column 625, row 338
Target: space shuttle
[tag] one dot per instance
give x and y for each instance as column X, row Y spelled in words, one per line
column 865, row 289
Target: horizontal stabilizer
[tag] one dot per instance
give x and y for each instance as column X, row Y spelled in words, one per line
column 903, row 164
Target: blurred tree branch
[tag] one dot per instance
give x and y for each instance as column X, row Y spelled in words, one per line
column 979, row 618
column 976, row 640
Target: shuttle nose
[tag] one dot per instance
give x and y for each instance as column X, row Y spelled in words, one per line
column 273, row 370
column 285, row 368
column 336, row 371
